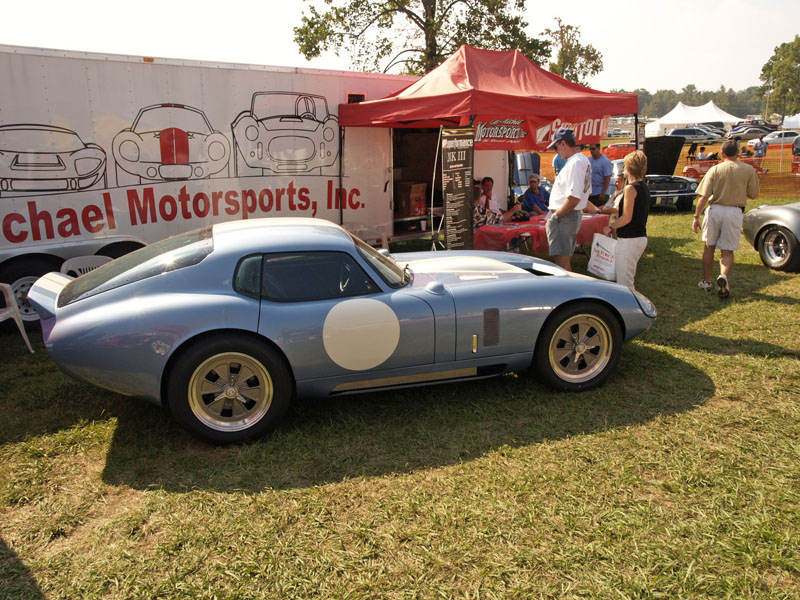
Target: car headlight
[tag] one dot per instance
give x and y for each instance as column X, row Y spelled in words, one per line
column 693, row 186
column 83, row 166
column 327, row 133
column 129, row 151
column 216, row 151
column 648, row 308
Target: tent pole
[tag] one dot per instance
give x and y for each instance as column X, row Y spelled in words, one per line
column 435, row 235
column 341, row 174
column 636, row 130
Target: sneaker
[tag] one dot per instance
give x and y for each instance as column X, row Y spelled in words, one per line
column 705, row 285
column 724, row 288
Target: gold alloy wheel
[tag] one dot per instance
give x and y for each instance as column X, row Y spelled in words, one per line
column 230, row 391
column 580, row 348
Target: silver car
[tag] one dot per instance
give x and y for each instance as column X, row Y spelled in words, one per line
column 774, row 231
column 226, row 325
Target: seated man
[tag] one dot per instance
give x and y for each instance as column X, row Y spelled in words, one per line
column 702, row 154
column 534, row 200
column 486, row 210
column 745, row 151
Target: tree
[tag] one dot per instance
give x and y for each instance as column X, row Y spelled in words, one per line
column 690, row 95
column 417, row 34
column 781, row 77
column 573, row 60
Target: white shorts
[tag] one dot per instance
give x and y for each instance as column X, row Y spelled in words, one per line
column 722, row 227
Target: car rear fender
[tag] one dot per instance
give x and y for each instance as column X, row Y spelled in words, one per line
column 201, row 338
column 787, row 218
column 44, row 293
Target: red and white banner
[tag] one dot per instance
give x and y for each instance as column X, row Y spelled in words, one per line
column 534, row 133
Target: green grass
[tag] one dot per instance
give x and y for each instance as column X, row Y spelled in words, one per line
column 680, row 478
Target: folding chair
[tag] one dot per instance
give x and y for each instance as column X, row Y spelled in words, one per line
column 11, row 311
column 81, row 265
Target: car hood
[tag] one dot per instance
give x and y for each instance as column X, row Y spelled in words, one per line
column 662, row 153
column 456, row 270
column 448, row 261
column 473, row 267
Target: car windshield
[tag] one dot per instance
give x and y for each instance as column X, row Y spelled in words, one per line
column 279, row 104
column 162, row 117
column 392, row 273
column 173, row 253
column 35, row 139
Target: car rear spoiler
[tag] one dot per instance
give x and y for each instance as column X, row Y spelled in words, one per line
column 43, row 295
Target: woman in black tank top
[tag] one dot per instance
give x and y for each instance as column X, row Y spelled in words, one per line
column 631, row 226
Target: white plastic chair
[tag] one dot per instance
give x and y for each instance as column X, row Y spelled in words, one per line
column 11, row 311
column 81, row 265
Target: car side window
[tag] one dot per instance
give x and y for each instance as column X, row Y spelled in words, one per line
column 247, row 280
column 303, row 276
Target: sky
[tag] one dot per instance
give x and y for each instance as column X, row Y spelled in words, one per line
column 650, row 44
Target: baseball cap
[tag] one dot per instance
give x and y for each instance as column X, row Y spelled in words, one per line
column 562, row 133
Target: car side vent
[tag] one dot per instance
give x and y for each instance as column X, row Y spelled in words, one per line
column 491, row 327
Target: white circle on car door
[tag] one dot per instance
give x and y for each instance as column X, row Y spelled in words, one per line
column 360, row 334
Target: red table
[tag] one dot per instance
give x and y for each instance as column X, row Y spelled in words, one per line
column 497, row 237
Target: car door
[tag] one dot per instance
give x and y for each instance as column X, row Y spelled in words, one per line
column 330, row 318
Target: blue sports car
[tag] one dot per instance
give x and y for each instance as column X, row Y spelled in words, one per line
column 226, row 325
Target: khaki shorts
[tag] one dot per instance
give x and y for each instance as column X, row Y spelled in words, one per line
column 563, row 233
column 722, row 227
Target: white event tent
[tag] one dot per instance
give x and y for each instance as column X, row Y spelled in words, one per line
column 792, row 122
column 683, row 116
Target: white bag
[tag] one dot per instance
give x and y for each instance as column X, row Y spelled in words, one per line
column 602, row 258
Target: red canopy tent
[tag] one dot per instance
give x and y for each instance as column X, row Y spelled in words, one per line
column 485, row 82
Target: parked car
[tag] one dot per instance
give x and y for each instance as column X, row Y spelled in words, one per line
column 776, row 138
column 225, row 325
column 169, row 142
column 774, row 231
column 747, row 133
column 756, row 122
column 692, row 134
column 619, row 150
column 717, row 132
column 712, row 124
column 44, row 158
column 665, row 188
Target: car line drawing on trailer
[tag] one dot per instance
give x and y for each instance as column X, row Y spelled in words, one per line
column 286, row 132
column 45, row 158
column 169, row 142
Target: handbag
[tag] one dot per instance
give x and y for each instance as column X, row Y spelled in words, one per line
column 602, row 260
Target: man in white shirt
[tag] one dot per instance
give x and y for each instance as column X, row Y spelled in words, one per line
column 568, row 198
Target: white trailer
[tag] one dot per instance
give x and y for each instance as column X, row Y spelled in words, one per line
column 102, row 154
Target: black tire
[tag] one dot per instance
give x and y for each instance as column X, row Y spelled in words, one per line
column 571, row 363
column 207, row 385
column 779, row 249
column 21, row 275
column 684, row 204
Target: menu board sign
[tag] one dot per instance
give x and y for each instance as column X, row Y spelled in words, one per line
column 457, row 162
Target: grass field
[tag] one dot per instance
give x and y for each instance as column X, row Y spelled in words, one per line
column 680, row 478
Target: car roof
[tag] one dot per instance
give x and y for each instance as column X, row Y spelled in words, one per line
column 279, row 234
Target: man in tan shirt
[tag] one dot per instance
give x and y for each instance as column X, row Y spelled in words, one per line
column 726, row 188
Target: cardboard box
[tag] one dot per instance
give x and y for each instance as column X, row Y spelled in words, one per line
column 410, row 199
